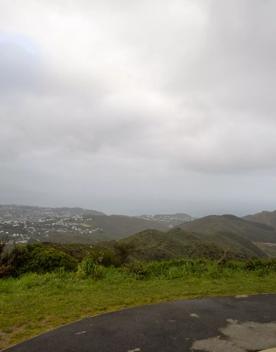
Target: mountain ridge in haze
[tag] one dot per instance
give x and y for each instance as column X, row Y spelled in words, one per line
column 13, row 211
column 263, row 217
column 171, row 219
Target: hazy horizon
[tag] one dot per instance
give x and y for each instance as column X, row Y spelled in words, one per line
column 139, row 107
column 138, row 214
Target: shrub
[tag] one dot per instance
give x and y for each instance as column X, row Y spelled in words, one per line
column 233, row 265
column 139, row 269
column 37, row 258
column 261, row 265
column 5, row 271
column 123, row 250
column 89, row 268
column 105, row 256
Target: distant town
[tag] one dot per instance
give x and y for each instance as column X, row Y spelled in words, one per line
column 24, row 224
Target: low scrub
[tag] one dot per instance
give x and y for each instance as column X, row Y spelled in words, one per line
column 182, row 268
column 35, row 258
column 41, row 258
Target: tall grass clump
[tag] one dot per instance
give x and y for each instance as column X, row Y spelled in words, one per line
column 88, row 268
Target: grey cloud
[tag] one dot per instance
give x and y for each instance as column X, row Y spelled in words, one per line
column 145, row 102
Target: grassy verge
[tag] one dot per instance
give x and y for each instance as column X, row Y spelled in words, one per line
column 35, row 303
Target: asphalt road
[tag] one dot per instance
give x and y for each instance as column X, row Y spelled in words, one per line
column 235, row 324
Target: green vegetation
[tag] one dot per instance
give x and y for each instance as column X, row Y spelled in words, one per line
column 47, row 285
column 148, row 245
column 153, row 244
column 248, row 230
column 35, row 258
column 48, row 257
column 34, row 303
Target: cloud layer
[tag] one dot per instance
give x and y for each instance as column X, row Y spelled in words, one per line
column 138, row 106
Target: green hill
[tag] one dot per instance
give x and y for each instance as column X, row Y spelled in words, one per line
column 119, row 226
column 231, row 224
column 153, row 244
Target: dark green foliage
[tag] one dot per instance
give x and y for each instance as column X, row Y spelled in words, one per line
column 123, row 250
column 103, row 256
column 142, row 259
column 36, row 258
column 260, row 266
column 110, row 253
column 139, row 269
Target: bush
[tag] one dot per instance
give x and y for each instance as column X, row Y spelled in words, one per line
column 264, row 265
column 104, row 256
column 89, row 268
column 5, row 270
column 139, row 269
column 123, row 250
column 37, row 258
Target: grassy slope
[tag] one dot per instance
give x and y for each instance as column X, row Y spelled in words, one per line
column 268, row 248
column 112, row 227
column 120, row 226
column 264, row 217
column 251, row 231
column 36, row 303
column 153, row 244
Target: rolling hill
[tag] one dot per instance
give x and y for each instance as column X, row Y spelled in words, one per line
column 230, row 224
column 153, row 244
column 264, row 217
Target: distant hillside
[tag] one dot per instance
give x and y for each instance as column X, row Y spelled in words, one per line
column 58, row 226
column 268, row 248
column 171, row 220
column 264, row 217
column 102, row 228
column 231, row 224
column 120, row 226
column 25, row 212
column 152, row 244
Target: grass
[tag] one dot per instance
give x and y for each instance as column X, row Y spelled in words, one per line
column 35, row 303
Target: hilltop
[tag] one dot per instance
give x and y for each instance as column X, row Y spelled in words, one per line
column 264, row 217
column 255, row 232
column 153, row 244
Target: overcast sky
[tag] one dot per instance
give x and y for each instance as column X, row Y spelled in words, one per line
column 139, row 106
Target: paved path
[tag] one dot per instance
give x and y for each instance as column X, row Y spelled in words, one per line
column 235, row 324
